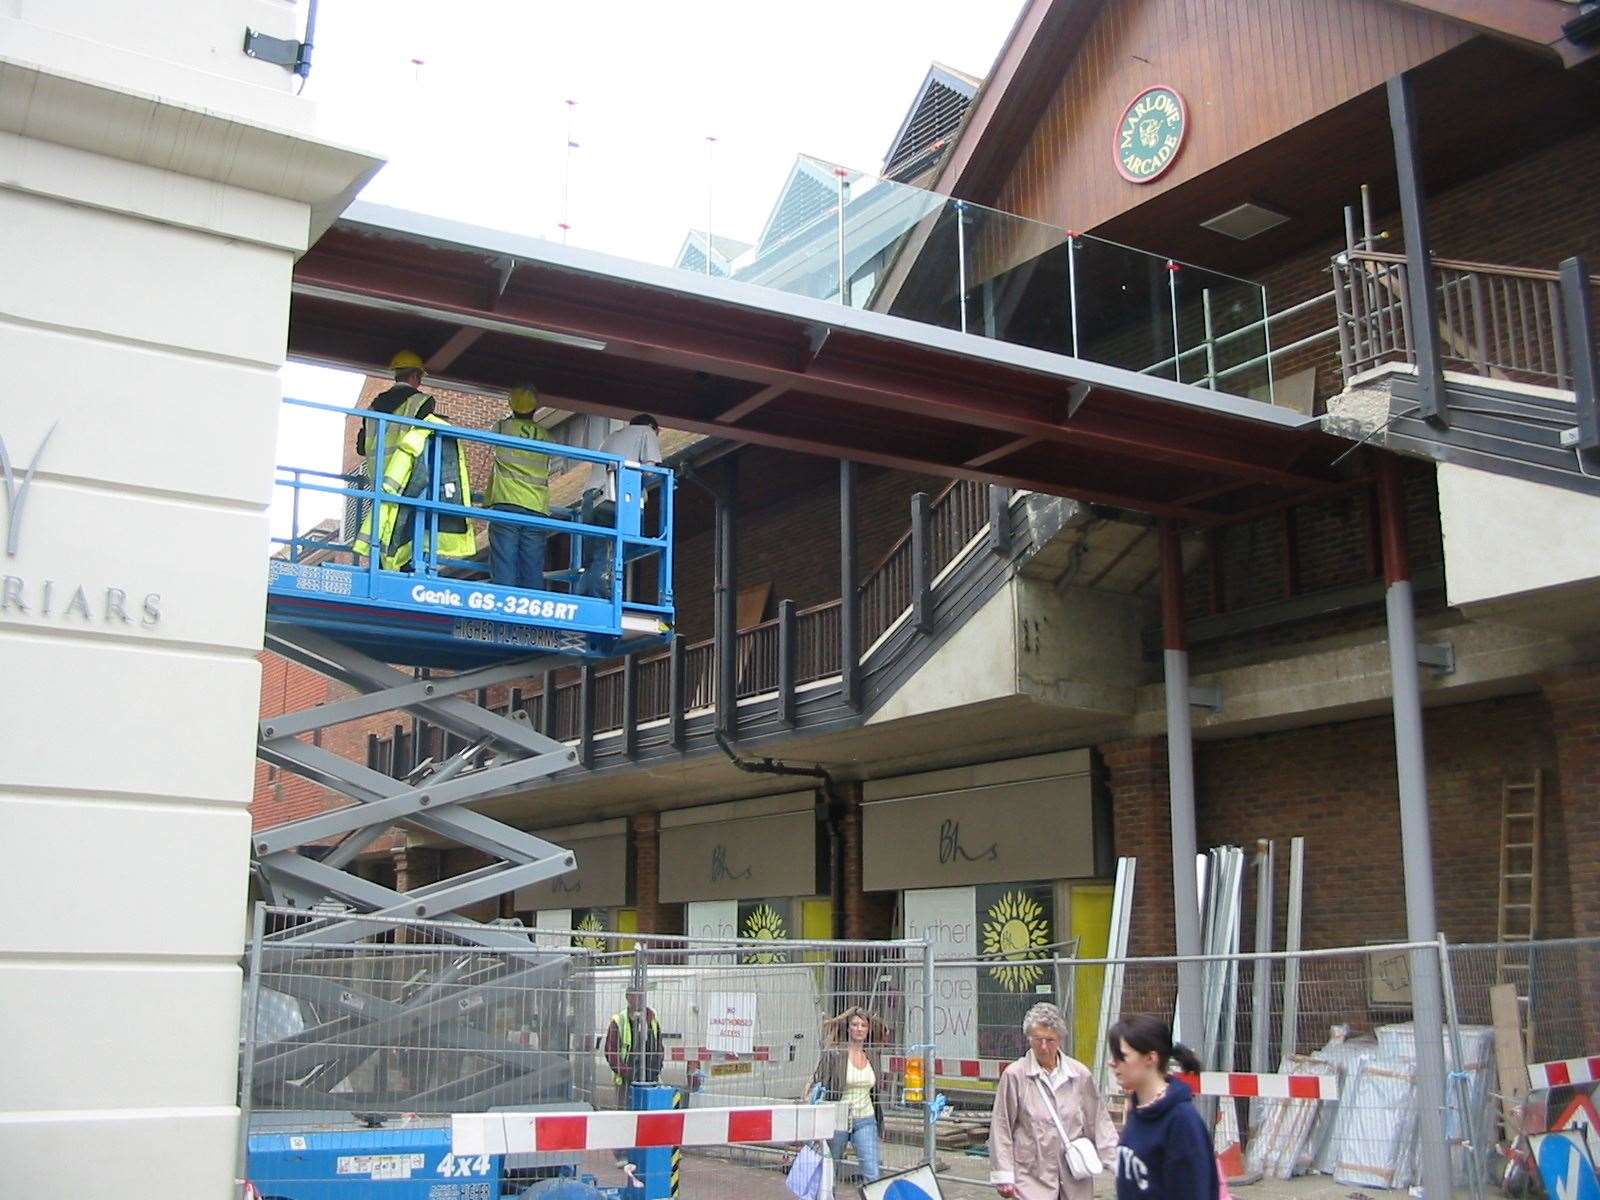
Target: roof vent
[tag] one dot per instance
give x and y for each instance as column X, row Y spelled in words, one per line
column 1245, row 221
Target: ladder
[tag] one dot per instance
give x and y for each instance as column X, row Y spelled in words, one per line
column 1521, row 827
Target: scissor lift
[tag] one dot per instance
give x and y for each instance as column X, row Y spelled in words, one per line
column 343, row 614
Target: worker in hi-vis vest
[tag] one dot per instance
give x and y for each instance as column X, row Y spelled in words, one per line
column 404, row 399
column 633, row 1046
column 520, row 484
column 409, row 473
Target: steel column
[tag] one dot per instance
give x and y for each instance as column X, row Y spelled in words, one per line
column 630, row 706
column 1423, row 307
column 786, row 663
column 849, row 595
column 921, row 565
column 1180, row 777
column 727, row 598
column 1577, row 299
column 1416, row 842
column 1000, row 520
column 675, row 723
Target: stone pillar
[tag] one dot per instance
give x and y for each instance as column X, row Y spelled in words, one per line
column 158, row 185
column 1136, row 771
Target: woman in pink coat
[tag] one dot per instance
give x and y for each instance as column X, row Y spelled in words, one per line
column 1026, row 1153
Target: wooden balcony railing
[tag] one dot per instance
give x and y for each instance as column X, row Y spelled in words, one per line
column 1497, row 322
column 954, row 518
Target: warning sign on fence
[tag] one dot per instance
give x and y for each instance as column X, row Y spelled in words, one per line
column 731, row 1022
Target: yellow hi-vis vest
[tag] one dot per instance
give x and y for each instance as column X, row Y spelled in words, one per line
column 521, row 475
column 402, row 477
column 625, row 1038
column 409, row 407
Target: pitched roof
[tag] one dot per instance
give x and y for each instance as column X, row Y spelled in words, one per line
column 810, row 191
column 933, row 118
column 724, row 250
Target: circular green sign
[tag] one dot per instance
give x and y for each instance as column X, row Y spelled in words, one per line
column 1150, row 134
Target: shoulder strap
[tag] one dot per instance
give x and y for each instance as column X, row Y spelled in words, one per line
column 1055, row 1116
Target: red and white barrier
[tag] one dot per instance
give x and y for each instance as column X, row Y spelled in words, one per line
column 1247, row 1085
column 1566, row 1071
column 960, row 1068
column 531, row 1133
column 1272, row 1087
column 702, row 1054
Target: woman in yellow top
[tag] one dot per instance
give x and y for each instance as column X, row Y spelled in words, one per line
column 849, row 1070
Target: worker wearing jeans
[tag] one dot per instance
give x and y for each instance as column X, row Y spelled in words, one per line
column 520, row 484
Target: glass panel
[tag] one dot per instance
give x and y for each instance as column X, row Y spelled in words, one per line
column 1124, row 307
column 1222, row 333
column 1019, row 280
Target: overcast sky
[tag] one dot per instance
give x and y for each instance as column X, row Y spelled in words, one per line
column 467, row 102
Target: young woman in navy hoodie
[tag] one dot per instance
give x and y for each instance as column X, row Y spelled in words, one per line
column 1165, row 1153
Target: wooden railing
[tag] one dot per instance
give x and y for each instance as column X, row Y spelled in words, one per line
column 956, row 516
column 1498, row 322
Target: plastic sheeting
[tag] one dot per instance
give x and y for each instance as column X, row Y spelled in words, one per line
column 1281, row 1134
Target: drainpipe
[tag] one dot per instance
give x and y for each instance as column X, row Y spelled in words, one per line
column 830, row 820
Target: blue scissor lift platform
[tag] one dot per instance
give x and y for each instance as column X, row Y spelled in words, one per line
column 382, row 596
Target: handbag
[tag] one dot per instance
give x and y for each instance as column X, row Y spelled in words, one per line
column 1080, row 1155
column 805, row 1176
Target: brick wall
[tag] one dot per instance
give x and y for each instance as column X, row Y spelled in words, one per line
column 1335, row 785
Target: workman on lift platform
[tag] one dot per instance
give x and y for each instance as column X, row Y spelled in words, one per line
column 409, row 473
column 520, row 484
column 404, row 399
column 638, row 442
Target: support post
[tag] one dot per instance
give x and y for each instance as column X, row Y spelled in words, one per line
column 849, row 595
column 1416, row 840
column 999, row 520
column 786, row 648
column 1423, row 307
column 547, row 704
column 921, row 565
column 586, row 716
column 1180, row 775
column 929, row 1140
column 675, row 722
column 630, row 706
column 727, row 595
column 1577, row 299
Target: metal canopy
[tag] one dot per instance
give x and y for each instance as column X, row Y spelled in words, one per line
column 601, row 334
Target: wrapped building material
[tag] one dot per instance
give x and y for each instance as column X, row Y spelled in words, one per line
column 1376, row 1125
column 1345, row 1053
column 1280, row 1144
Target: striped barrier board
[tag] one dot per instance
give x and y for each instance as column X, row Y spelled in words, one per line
column 702, row 1054
column 533, row 1133
column 1563, row 1073
column 1272, row 1087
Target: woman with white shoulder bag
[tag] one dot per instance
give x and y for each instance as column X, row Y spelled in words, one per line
column 1050, row 1134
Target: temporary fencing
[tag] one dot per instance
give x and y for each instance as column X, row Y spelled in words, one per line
column 364, row 1038
column 384, row 1054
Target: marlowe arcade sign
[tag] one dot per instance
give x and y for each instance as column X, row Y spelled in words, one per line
column 50, row 599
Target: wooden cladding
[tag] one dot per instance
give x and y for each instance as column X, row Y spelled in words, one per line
column 1249, row 70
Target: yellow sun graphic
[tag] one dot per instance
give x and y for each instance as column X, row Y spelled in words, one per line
column 590, row 924
column 765, row 923
column 1014, row 926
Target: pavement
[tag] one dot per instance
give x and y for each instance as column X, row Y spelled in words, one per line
column 961, row 1177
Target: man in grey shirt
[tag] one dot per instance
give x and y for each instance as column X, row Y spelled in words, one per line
column 638, row 442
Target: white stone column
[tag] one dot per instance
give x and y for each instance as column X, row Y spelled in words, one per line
column 155, row 188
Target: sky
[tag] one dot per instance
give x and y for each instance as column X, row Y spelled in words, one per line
column 468, row 103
